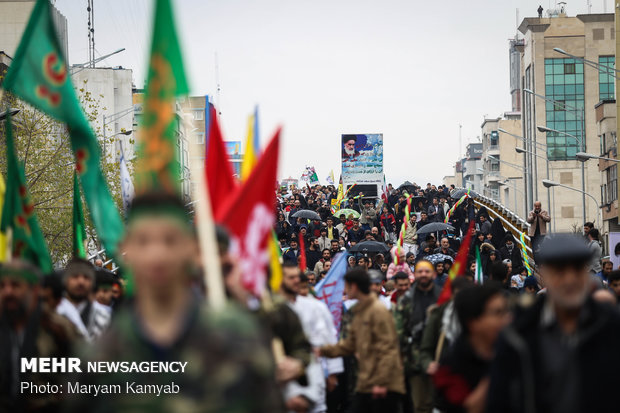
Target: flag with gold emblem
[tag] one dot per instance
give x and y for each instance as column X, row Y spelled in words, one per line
column 18, row 216
column 158, row 167
column 39, row 76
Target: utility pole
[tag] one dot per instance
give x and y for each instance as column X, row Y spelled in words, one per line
column 217, row 86
column 460, row 140
column 91, row 33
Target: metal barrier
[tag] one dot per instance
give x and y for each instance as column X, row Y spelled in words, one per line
column 97, row 254
column 510, row 220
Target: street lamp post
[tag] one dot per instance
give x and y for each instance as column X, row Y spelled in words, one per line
column 549, row 200
column 112, row 118
column 105, row 151
column 517, row 167
column 583, row 157
column 548, row 183
column 9, row 112
column 545, row 129
column 610, row 71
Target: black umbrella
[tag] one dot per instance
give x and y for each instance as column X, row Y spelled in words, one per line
column 370, row 246
column 416, row 199
column 435, row 227
column 458, row 193
column 307, row 214
column 406, row 185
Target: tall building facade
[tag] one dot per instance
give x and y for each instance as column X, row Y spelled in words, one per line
column 514, row 54
column 112, row 88
column 195, row 109
column 14, row 15
column 472, row 167
column 503, row 166
column 559, row 94
column 182, row 133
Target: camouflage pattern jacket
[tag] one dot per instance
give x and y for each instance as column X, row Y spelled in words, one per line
column 410, row 317
column 229, row 367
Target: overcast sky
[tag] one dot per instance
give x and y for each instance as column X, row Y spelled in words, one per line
column 412, row 70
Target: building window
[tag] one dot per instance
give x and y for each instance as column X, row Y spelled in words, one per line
column 200, row 138
column 494, row 140
column 609, row 190
column 494, row 164
column 569, row 68
column 564, row 83
column 494, row 191
column 608, row 144
column 199, row 115
column 606, row 86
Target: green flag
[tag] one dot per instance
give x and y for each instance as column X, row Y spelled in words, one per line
column 158, row 168
column 39, row 76
column 18, row 212
column 79, row 229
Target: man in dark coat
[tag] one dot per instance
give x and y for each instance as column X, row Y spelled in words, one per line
column 561, row 354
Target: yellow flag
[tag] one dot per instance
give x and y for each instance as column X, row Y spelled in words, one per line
column 2, row 234
column 274, row 263
column 249, row 158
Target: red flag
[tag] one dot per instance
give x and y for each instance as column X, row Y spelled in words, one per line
column 302, row 253
column 249, row 215
column 218, row 171
column 385, row 192
column 458, row 268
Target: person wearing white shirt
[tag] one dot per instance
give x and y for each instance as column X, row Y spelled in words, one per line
column 318, row 326
column 89, row 317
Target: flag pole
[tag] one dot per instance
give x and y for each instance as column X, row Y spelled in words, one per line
column 206, row 235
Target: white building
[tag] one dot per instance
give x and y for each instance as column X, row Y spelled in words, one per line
column 14, row 15
column 472, row 169
column 112, row 87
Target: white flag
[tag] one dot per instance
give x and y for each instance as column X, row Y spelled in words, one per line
column 126, row 184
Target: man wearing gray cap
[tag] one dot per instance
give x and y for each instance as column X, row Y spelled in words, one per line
column 559, row 355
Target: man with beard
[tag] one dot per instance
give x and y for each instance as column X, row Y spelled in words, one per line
column 401, row 286
column 444, row 248
column 335, row 248
column 89, row 317
column 104, row 294
column 356, row 234
column 561, row 354
column 292, row 253
column 28, row 329
column 348, row 147
column 411, row 316
column 325, row 257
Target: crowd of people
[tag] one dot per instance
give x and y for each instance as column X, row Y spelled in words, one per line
column 536, row 333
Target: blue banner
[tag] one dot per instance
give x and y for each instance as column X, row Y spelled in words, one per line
column 331, row 288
